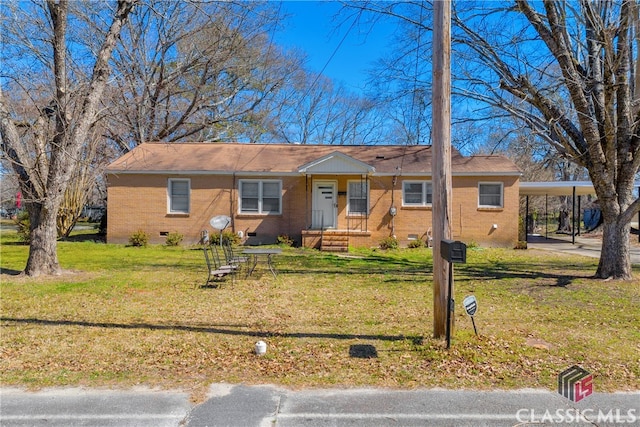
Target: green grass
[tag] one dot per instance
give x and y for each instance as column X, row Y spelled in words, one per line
column 125, row 316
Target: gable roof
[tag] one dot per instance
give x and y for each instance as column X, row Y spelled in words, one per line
column 336, row 162
column 296, row 159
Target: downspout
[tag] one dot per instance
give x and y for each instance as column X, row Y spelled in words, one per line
column 307, row 215
column 366, row 218
column 231, row 203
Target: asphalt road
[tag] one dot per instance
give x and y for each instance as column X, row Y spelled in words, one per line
column 263, row 406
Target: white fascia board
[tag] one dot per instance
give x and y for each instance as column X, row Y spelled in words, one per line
column 199, row 172
column 486, row 174
column 412, row 174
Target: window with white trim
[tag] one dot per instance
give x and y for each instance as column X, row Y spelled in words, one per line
column 178, row 195
column 260, row 196
column 417, row 193
column 490, row 194
column 358, row 197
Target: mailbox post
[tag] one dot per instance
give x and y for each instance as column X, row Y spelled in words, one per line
column 453, row 252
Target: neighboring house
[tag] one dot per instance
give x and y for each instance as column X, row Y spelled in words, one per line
column 315, row 194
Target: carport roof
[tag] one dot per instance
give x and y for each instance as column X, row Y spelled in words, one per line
column 556, row 188
column 559, row 188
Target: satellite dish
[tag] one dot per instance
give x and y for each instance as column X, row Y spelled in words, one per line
column 220, row 222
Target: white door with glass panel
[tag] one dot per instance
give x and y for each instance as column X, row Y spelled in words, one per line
column 325, row 206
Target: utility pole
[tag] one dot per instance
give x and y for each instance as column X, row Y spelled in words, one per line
column 635, row 15
column 441, row 161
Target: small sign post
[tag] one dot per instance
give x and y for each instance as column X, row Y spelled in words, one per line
column 471, row 306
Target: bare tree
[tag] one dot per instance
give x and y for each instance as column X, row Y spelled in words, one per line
column 564, row 70
column 314, row 110
column 81, row 183
column 401, row 80
column 209, row 71
column 45, row 163
column 204, row 71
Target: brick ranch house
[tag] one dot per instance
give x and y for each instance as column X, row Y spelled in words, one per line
column 318, row 195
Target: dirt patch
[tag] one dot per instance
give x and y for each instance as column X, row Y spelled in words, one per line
column 17, row 277
column 538, row 343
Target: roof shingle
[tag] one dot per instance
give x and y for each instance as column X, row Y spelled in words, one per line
column 222, row 158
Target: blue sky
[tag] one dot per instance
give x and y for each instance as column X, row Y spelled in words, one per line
column 311, row 28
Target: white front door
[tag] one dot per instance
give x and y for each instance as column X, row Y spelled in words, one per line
column 325, row 206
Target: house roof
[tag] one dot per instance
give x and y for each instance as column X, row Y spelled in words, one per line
column 296, row 159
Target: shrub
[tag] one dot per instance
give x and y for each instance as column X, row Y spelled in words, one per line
column 174, row 239
column 24, row 226
column 522, row 244
column 102, row 228
column 389, row 243
column 139, row 238
column 416, row 244
column 284, row 240
column 473, row 245
column 228, row 236
column 522, row 232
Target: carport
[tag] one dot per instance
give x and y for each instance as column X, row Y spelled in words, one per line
column 559, row 188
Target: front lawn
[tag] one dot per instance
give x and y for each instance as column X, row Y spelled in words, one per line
column 125, row 316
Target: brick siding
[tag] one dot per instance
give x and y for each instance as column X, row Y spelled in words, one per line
column 139, row 202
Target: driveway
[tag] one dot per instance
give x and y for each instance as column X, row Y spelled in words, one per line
column 585, row 246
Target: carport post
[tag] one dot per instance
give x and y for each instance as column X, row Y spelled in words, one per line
column 573, row 216
column 546, row 216
column 579, row 212
column 526, row 221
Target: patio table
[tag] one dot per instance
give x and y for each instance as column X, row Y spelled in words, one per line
column 265, row 254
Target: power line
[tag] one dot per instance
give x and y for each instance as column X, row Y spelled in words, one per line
column 333, row 54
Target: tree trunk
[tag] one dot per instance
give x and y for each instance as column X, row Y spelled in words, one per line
column 615, row 261
column 43, row 254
